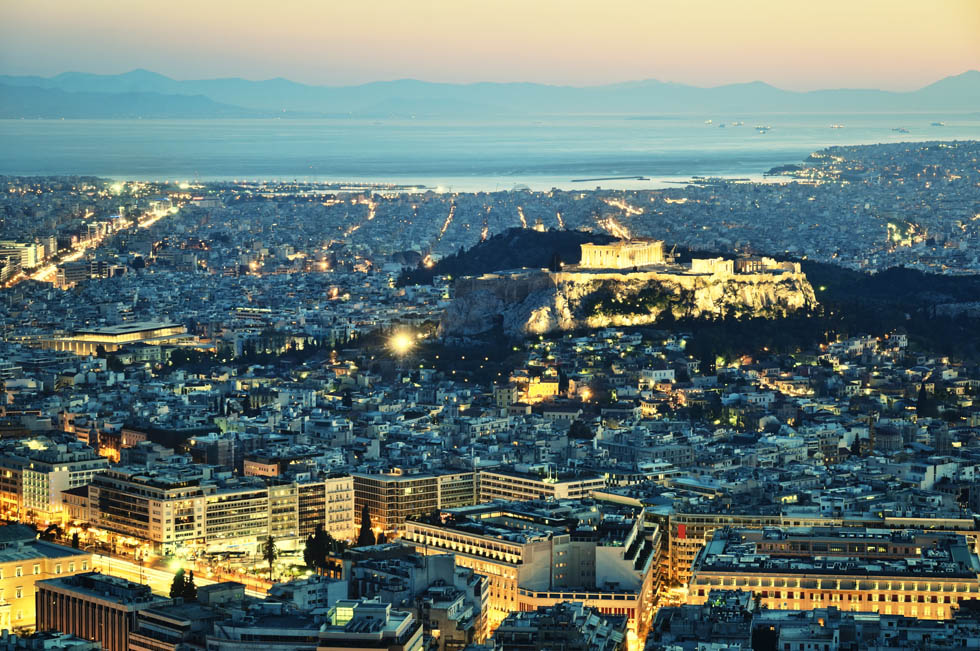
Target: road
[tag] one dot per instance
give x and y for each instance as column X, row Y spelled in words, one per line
column 48, row 272
column 158, row 579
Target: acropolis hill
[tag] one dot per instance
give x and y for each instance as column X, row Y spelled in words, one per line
column 622, row 284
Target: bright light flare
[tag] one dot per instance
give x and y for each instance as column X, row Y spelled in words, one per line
column 401, row 343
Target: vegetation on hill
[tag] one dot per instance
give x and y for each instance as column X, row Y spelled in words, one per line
column 512, row 249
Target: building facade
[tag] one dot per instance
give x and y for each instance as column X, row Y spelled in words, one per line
column 624, row 254
column 25, row 560
column 94, row 606
column 906, row 573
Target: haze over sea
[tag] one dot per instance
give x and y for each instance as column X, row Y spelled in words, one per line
column 462, row 154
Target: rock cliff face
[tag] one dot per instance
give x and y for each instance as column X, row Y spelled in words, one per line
column 534, row 302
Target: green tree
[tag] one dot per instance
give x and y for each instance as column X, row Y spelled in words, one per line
column 177, row 585
column 270, row 553
column 366, row 537
column 74, row 540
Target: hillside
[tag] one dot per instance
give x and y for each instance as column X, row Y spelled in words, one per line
column 512, row 249
column 52, row 103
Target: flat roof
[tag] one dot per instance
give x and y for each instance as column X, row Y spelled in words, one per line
column 127, row 328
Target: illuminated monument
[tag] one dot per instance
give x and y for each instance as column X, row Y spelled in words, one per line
column 624, row 254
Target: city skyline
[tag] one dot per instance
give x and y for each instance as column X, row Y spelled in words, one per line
column 891, row 46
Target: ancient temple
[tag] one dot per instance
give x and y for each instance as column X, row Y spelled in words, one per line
column 624, row 254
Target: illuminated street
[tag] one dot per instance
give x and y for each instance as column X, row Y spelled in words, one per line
column 159, row 580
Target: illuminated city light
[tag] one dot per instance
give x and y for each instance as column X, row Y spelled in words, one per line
column 401, row 343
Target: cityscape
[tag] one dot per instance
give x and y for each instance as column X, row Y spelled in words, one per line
column 600, row 407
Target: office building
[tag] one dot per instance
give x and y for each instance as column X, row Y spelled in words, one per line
column 391, row 498
column 94, row 606
column 911, row 573
column 35, row 471
column 569, row 626
column 541, row 553
column 512, row 485
column 364, row 624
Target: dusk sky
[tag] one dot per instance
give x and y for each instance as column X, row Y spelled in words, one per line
column 890, row 44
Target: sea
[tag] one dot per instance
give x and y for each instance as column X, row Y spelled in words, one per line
column 463, row 155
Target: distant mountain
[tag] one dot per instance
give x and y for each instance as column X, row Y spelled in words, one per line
column 408, row 97
column 35, row 102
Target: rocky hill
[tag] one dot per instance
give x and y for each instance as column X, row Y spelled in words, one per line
column 538, row 301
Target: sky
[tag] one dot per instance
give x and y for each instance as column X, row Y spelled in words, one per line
column 798, row 45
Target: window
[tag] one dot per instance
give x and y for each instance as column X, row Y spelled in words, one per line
column 37, row 568
column 19, row 592
column 71, row 567
column 84, row 565
column 57, row 568
column 19, row 571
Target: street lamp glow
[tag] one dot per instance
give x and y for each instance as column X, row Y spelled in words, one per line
column 401, row 343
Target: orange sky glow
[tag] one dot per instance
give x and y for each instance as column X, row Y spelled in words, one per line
column 891, row 44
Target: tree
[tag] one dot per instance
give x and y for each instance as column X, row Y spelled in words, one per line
column 310, row 552
column 189, row 590
column 52, row 532
column 270, row 553
column 554, row 265
column 562, row 381
column 317, row 548
column 74, row 540
column 580, row 430
column 925, row 406
column 366, row 537
column 177, row 585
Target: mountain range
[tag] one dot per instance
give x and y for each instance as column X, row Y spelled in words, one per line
column 146, row 94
